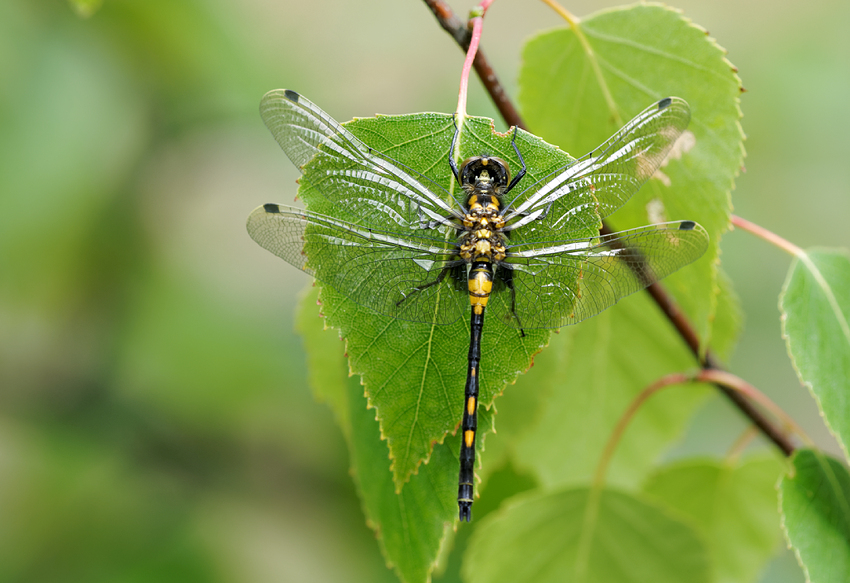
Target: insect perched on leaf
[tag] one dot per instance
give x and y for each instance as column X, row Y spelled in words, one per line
column 403, row 246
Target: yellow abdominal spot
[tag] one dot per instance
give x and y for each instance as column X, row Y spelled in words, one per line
column 478, row 302
column 470, row 406
column 480, row 284
column 468, row 437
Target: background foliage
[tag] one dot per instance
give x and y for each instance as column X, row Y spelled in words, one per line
column 155, row 420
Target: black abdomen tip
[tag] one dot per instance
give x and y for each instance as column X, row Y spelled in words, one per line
column 465, row 511
column 271, row 208
column 664, row 103
column 687, row 226
column 291, row 95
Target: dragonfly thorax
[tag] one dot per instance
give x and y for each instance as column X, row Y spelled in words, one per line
column 481, row 239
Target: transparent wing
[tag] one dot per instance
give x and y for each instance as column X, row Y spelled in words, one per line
column 376, row 269
column 565, row 282
column 367, row 187
column 609, row 175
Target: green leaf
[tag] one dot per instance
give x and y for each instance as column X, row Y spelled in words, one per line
column 815, row 305
column 814, row 500
column 733, row 506
column 414, row 373
column 413, row 525
column 592, row 372
column 579, row 84
column 578, row 537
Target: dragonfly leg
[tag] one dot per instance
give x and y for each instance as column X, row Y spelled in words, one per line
column 425, row 286
column 545, row 211
column 507, row 276
column 521, row 173
column 452, row 163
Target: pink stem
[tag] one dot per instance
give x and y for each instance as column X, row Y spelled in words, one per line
column 736, row 383
column 768, row 236
column 611, row 446
column 715, row 376
column 477, row 22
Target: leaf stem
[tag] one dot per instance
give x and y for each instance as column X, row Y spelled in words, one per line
column 717, row 377
column 741, row 443
column 461, row 34
column 563, row 12
column 736, row 383
column 574, row 21
column 625, row 418
column 476, row 22
column 768, row 236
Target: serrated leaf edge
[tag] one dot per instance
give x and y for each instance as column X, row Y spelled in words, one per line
column 806, row 260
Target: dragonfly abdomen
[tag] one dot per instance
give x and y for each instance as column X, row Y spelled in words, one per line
column 469, row 425
column 480, row 283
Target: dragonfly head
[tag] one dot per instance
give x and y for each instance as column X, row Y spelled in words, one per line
column 485, row 173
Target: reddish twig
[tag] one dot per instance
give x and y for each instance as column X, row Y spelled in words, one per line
column 476, row 26
column 768, row 236
column 740, row 386
column 718, row 378
column 625, row 418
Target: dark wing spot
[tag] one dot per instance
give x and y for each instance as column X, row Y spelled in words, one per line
column 687, row 226
column 291, row 95
column 664, row 103
column 271, row 208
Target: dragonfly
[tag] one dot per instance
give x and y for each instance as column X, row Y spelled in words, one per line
column 404, row 246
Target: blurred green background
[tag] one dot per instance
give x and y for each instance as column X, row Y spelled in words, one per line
column 155, row 420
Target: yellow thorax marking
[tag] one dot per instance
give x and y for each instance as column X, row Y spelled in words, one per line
column 482, row 248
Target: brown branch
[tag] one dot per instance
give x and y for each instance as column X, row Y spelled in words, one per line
column 459, row 31
column 709, row 362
